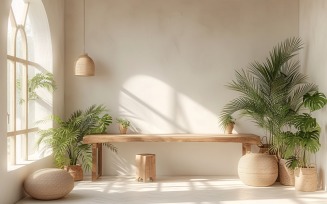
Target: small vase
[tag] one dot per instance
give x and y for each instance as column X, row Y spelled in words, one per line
column 122, row 129
column 229, row 128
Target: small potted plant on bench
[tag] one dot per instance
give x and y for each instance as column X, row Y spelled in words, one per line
column 123, row 125
column 227, row 122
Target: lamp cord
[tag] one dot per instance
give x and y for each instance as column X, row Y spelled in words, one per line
column 84, row 27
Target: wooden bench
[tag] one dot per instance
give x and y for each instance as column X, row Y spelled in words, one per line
column 96, row 140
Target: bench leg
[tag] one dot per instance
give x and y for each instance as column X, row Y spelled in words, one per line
column 96, row 161
column 99, row 159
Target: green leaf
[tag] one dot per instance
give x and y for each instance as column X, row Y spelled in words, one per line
column 66, row 137
column 314, row 101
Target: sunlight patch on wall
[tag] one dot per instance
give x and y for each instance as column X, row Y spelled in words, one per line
column 153, row 106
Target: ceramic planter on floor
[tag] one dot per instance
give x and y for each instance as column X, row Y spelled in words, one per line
column 286, row 175
column 306, row 179
column 257, row 169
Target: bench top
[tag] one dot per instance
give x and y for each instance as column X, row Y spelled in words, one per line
column 182, row 137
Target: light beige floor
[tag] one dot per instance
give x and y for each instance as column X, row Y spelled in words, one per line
column 182, row 190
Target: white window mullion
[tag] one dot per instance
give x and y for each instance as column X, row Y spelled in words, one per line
column 27, row 48
column 13, row 111
column 25, row 92
column 24, row 116
column 25, row 14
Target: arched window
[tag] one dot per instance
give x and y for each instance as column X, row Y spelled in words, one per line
column 29, row 79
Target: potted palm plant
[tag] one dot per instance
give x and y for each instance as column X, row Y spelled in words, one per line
column 227, row 123
column 66, row 138
column 303, row 142
column 271, row 93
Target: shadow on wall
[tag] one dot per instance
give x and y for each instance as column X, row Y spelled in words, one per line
column 151, row 111
column 155, row 107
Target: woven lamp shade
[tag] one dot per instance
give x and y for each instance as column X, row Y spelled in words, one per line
column 84, row 66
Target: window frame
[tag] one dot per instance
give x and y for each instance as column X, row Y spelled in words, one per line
column 19, row 136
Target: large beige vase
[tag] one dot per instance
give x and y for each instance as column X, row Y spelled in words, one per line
column 48, row 184
column 258, row 169
column 306, row 179
column 286, row 175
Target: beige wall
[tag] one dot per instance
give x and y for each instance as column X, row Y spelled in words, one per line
column 163, row 65
column 313, row 31
column 11, row 181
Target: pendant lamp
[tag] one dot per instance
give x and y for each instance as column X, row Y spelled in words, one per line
column 84, row 65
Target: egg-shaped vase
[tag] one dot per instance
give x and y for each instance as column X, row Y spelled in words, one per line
column 258, row 169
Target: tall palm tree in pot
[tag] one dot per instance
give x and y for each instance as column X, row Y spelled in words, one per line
column 271, row 93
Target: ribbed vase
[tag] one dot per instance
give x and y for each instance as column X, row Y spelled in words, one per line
column 257, row 169
column 306, row 179
column 286, row 175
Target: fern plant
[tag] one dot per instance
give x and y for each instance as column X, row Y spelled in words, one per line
column 271, row 93
column 66, row 138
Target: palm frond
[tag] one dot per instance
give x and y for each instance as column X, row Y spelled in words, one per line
column 275, row 95
column 66, row 138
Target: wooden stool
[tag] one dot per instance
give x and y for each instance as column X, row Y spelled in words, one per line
column 146, row 167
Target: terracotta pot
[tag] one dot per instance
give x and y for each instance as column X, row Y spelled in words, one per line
column 286, row 175
column 122, row 130
column 257, row 169
column 229, row 128
column 306, row 179
column 264, row 148
column 75, row 171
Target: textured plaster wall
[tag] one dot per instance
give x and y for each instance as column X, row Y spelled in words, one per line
column 313, row 31
column 163, row 65
column 12, row 181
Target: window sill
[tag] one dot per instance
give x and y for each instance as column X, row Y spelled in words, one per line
column 45, row 161
column 18, row 166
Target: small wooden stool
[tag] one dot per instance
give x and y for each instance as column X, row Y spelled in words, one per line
column 146, row 167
